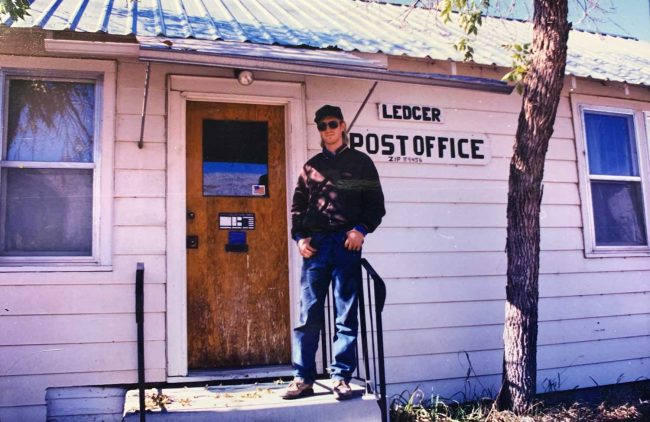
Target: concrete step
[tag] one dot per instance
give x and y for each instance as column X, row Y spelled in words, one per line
column 252, row 402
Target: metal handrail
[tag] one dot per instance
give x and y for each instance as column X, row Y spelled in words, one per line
column 139, row 320
column 375, row 384
column 379, row 288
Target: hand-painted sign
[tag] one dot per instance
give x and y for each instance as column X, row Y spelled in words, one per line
column 409, row 146
column 415, row 113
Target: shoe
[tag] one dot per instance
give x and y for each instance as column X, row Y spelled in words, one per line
column 298, row 389
column 342, row 390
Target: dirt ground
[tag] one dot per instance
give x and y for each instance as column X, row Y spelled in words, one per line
column 619, row 402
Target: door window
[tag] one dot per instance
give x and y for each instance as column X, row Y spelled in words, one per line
column 235, row 158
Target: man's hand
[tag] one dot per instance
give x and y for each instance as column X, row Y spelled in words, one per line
column 354, row 240
column 305, row 248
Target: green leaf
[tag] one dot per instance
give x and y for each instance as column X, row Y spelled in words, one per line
column 16, row 9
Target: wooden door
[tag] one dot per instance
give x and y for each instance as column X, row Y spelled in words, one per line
column 237, row 279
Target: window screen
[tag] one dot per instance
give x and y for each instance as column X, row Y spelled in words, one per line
column 611, row 144
column 615, row 182
column 48, row 212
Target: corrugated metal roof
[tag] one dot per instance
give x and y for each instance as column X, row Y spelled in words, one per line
column 348, row 25
column 310, row 56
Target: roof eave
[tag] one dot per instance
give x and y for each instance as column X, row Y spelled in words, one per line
column 154, row 54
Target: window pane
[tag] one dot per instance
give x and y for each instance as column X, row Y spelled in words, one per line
column 611, row 144
column 235, row 158
column 618, row 213
column 48, row 212
column 50, row 121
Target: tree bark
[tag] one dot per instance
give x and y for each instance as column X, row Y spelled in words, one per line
column 542, row 88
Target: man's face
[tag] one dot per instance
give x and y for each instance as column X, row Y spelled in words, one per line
column 330, row 135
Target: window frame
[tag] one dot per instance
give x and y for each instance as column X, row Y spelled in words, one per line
column 634, row 110
column 64, row 71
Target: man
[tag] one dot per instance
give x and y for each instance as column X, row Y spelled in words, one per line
column 337, row 202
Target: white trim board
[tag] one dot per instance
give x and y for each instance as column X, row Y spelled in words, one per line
column 190, row 88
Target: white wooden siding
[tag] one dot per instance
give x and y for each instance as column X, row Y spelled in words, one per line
column 31, row 329
column 461, row 239
column 135, row 240
column 575, row 376
column 78, row 328
column 140, row 212
column 428, row 341
column 446, row 289
column 128, row 128
column 479, row 313
column 79, row 299
column 441, row 248
column 139, row 183
column 123, row 273
column 496, row 170
column 74, row 358
column 450, row 264
column 128, row 156
column 23, row 413
column 88, row 317
column 29, row 390
column 489, row 362
column 469, row 215
column 400, row 189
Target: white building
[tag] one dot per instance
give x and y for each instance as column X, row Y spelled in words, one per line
column 81, row 203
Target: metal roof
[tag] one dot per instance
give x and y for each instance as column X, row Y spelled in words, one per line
column 347, row 25
column 280, row 54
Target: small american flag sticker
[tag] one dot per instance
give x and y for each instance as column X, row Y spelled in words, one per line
column 259, row 190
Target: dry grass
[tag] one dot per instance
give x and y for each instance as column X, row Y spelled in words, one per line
column 575, row 412
column 622, row 402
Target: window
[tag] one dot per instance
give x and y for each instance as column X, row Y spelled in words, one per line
column 49, row 170
column 235, row 158
column 617, row 203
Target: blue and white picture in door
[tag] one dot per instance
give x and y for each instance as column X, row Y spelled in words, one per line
column 234, row 179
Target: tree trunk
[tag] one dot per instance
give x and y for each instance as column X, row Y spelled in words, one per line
column 542, row 88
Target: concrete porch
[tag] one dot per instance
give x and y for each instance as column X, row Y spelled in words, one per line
column 251, row 402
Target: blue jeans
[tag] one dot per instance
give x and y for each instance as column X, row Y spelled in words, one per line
column 343, row 267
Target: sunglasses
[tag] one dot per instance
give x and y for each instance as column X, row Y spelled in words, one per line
column 332, row 124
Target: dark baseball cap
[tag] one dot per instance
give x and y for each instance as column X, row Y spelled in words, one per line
column 328, row 111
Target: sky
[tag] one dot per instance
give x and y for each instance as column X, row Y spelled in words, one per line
column 634, row 18
column 619, row 17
